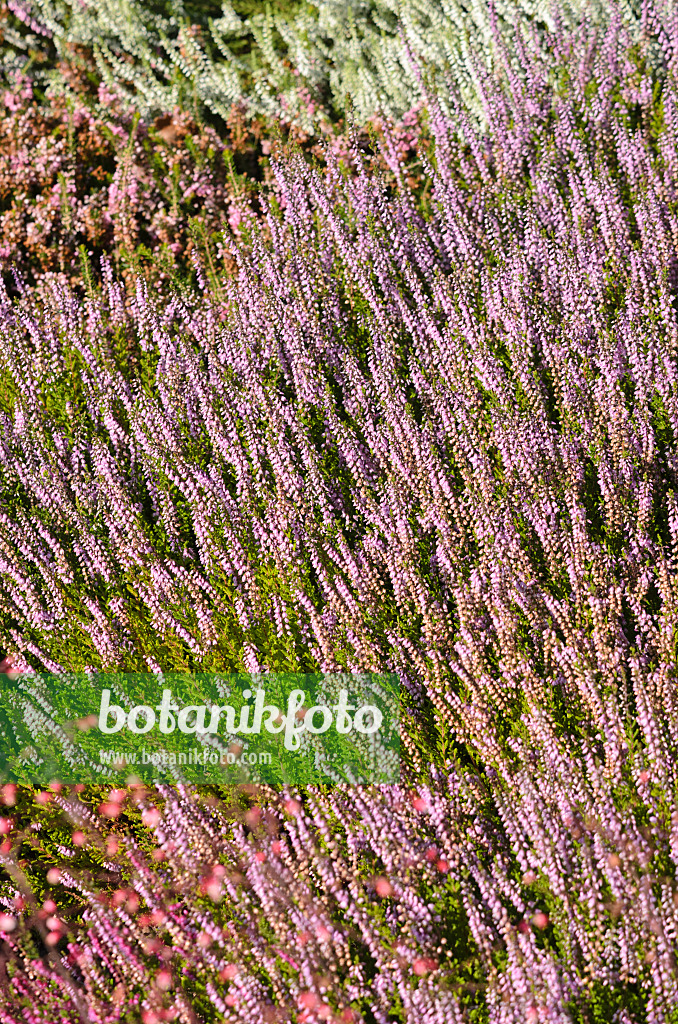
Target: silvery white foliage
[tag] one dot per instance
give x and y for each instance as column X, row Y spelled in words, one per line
column 368, row 58
column 334, row 53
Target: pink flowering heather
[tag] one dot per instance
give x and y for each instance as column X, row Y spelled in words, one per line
column 84, row 174
column 83, row 171
column 434, row 435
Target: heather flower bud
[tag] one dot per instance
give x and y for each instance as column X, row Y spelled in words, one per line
column 383, row 887
column 423, row 966
column 163, row 980
column 9, row 794
column 109, row 809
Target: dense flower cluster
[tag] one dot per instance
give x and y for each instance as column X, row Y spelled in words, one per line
column 84, row 171
column 291, row 59
column 426, row 433
column 75, row 175
column 542, row 901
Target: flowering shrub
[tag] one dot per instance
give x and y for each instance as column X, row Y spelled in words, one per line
column 87, row 173
column 74, row 175
column 544, row 899
column 289, row 59
column 435, row 437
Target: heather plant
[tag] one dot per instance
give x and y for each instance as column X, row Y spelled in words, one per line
column 427, row 434
column 87, row 172
column 299, row 61
column 532, row 893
